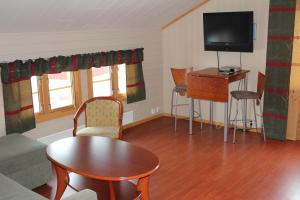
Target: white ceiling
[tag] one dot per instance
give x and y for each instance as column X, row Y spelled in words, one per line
column 78, row 15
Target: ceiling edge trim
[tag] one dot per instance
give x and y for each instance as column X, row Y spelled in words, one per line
column 184, row 14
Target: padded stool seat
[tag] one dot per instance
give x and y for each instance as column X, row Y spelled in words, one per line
column 244, row 95
column 24, row 160
column 180, row 88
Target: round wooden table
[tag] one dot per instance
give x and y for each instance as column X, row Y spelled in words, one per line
column 101, row 158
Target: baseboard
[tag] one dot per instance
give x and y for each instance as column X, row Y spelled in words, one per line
column 142, row 121
column 292, row 138
column 68, row 133
column 215, row 123
column 58, row 136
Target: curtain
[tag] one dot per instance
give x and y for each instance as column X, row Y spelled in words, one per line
column 18, row 107
column 279, row 58
column 135, row 86
column 19, row 115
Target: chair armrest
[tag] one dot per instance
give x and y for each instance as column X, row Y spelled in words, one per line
column 76, row 116
column 83, row 195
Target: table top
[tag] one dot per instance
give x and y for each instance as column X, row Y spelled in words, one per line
column 210, row 84
column 102, row 158
column 213, row 72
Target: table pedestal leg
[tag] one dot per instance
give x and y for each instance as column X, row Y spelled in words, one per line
column 62, row 181
column 111, row 190
column 143, row 187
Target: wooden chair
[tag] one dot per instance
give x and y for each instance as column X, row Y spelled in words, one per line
column 180, row 79
column 103, row 117
column 256, row 100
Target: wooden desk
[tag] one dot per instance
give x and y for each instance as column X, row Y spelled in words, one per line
column 101, row 158
column 209, row 84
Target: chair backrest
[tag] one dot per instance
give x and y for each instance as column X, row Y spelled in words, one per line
column 180, row 75
column 101, row 111
column 261, row 80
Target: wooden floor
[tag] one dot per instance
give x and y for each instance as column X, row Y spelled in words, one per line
column 201, row 166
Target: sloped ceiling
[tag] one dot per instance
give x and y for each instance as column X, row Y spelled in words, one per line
column 77, row 15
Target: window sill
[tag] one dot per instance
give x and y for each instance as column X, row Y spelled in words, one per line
column 57, row 113
column 121, row 97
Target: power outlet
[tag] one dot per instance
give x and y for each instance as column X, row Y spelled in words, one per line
column 153, row 111
column 157, row 109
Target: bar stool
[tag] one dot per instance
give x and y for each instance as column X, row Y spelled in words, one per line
column 180, row 78
column 256, row 100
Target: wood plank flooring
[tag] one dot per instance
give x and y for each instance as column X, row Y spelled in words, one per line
column 201, row 166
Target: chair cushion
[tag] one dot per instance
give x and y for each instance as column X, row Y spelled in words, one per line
column 108, row 131
column 24, row 160
column 18, row 152
column 180, row 88
column 11, row 190
column 244, row 95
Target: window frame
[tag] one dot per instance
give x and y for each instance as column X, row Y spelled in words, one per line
column 44, row 98
column 114, row 83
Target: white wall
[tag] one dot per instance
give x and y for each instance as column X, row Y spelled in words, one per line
column 33, row 45
column 183, row 46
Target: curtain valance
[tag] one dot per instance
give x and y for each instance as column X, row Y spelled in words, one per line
column 19, row 70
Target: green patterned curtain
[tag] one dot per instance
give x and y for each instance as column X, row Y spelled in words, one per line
column 135, row 85
column 279, row 58
column 24, row 70
column 19, row 115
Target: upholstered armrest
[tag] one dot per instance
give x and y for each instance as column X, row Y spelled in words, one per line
column 77, row 114
column 83, row 195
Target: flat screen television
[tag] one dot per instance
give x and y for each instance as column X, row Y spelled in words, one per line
column 228, row 31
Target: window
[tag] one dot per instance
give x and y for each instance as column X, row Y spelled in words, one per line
column 107, row 81
column 102, row 79
column 55, row 95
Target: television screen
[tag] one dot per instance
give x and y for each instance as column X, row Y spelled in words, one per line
column 228, row 31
